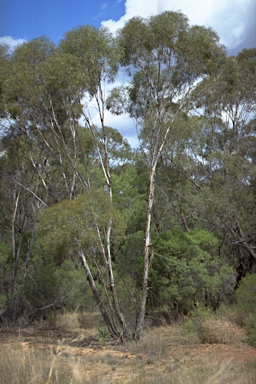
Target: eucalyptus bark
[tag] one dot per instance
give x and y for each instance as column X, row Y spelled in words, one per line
column 147, row 248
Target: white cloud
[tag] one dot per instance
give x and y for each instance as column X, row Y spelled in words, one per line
column 233, row 20
column 125, row 125
column 196, row 10
column 11, row 42
column 133, row 8
column 229, row 18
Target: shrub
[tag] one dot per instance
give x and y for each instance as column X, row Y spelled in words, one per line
column 250, row 327
column 246, row 305
column 221, row 331
column 246, row 294
column 193, row 321
column 186, row 269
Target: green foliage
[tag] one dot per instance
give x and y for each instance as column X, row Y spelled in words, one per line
column 55, row 88
column 66, row 225
column 193, row 320
column 5, row 252
column 119, row 149
column 163, row 54
column 186, row 270
column 54, row 286
column 250, row 327
column 131, row 260
column 129, row 186
column 203, row 239
column 96, row 51
column 34, row 51
column 5, row 275
column 23, row 86
column 246, row 294
column 103, row 336
column 128, row 291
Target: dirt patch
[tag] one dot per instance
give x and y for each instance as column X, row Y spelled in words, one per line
column 200, row 354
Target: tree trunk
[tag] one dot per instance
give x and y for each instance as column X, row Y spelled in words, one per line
column 111, row 328
column 147, row 249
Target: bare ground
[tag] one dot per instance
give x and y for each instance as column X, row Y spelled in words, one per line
column 165, row 354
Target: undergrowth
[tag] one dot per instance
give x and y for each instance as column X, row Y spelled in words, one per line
column 152, row 360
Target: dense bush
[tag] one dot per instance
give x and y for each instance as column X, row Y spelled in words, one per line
column 246, row 294
column 186, row 271
column 246, row 305
column 250, row 327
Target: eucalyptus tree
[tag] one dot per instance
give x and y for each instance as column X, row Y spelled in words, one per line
column 175, row 179
column 166, row 59
column 27, row 96
column 47, row 92
column 22, row 195
column 98, row 56
column 32, row 95
column 21, row 201
column 4, row 67
column 227, row 184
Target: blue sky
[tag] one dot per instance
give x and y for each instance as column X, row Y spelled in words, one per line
column 28, row 19
column 233, row 20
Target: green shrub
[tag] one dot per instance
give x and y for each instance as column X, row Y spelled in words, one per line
column 187, row 269
column 246, row 294
column 194, row 319
column 246, row 305
column 250, row 327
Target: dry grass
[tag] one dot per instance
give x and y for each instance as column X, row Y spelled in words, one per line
column 162, row 356
column 67, row 321
column 152, row 346
column 18, row 365
column 77, row 320
column 226, row 373
column 221, row 331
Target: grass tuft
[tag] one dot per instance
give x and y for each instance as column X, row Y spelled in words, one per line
column 221, row 331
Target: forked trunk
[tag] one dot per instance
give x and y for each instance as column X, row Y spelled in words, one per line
column 108, row 322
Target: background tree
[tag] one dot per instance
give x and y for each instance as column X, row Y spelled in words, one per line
column 226, row 177
column 44, row 111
